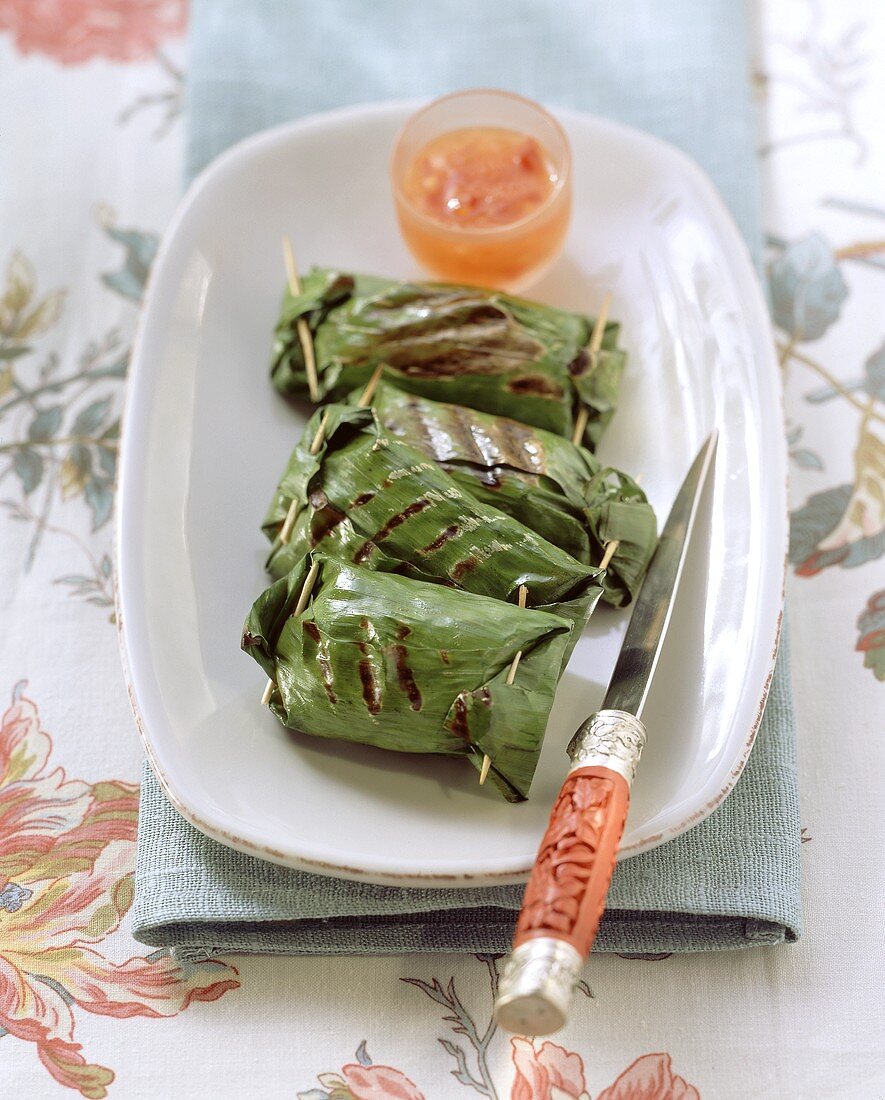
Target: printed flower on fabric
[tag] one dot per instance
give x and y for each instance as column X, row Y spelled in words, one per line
column 66, row 853
column 844, row 526
column 871, row 637
column 547, row 1072
column 362, row 1080
column 75, row 31
column 807, row 289
column 650, row 1078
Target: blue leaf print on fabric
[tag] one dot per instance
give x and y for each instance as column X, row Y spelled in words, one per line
column 13, row 897
column 90, row 419
column 807, row 289
column 141, row 248
column 817, row 519
column 45, row 424
column 808, row 460
column 100, row 498
column 28, row 465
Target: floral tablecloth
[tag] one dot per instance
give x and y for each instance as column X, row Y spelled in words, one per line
column 90, row 164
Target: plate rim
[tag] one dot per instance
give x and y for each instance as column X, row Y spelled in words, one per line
column 381, row 871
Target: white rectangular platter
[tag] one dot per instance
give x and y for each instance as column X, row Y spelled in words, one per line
column 205, row 438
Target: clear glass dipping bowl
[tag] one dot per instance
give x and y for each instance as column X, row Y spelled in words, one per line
column 508, row 257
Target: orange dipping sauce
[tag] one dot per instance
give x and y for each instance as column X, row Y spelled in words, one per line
column 489, row 203
column 480, row 177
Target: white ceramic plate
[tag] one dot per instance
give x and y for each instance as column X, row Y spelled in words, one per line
column 206, row 437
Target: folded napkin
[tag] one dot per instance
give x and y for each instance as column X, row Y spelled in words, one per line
column 679, row 70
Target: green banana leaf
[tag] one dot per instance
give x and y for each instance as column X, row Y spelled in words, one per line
column 546, row 482
column 414, row 667
column 481, row 348
column 372, row 499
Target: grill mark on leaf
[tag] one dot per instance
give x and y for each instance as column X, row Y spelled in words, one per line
column 441, row 539
column 324, row 523
column 463, row 567
column 457, row 337
column 312, row 631
column 364, row 552
column 395, row 521
column 371, row 695
column 535, row 384
column 520, row 446
column 459, row 725
column 325, row 518
column 405, row 676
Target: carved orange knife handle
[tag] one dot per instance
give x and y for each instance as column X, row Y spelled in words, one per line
column 565, row 896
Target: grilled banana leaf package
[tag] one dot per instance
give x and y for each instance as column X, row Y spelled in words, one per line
column 401, row 664
column 368, row 498
column 546, row 482
column 481, row 348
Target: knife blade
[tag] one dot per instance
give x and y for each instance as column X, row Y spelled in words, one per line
column 565, row 895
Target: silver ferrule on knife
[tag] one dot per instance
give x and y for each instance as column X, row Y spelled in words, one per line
column 612, row 739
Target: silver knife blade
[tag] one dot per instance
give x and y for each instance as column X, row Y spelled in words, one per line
column 635, row 667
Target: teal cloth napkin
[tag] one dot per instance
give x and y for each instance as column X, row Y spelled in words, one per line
column 679, row 69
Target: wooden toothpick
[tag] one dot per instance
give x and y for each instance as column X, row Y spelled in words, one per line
column 372, row 385
column 596, row 338
column 484, row 773
column 306, row 589
column 319, row 438
column 289, row 522
column 511, row 675
column 303, row 597
column 598, row 333
column 610, row 550
column 294, row 506
column 303, row 328
column 291, row 266
column 580, row 425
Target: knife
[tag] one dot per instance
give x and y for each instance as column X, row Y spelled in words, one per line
column 566, row 892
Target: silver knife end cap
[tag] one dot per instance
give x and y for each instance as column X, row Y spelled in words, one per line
column 536, row 986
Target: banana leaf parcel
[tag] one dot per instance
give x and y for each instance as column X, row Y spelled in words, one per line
column 409, row 666
column 371, row 499
column 546, row 482
column 481, row 348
